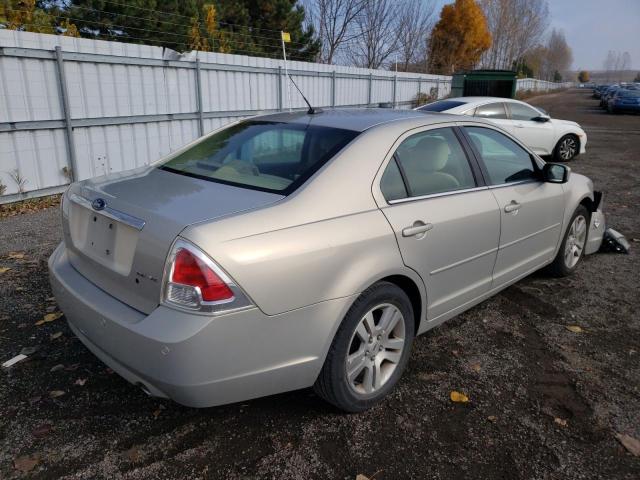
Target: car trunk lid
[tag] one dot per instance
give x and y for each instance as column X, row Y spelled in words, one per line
column 119, row 229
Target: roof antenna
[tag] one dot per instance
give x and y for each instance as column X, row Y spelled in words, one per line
column 311, row 110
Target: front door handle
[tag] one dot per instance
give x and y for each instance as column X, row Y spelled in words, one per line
column 418, row 228
column 519, row 125
column 512, row 207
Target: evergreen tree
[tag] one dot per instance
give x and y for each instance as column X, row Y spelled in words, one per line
column 249, row 27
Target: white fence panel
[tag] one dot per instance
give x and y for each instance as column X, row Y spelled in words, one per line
column 536, row 85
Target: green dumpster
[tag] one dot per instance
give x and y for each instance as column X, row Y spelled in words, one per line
column 484, row 83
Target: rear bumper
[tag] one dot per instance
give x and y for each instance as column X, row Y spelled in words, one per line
column 196, row 360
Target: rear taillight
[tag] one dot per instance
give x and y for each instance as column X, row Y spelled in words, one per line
column 189, row 270
column 193, row 281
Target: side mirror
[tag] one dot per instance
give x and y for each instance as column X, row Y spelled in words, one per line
column 555, row 173
column 541, row 118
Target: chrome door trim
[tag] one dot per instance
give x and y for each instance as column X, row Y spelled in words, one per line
column 462, row 262
column 109, row 212
column 436, row 195
column 513, row 242
column 511, row 184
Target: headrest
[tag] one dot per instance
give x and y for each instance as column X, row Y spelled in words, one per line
column 429, row 155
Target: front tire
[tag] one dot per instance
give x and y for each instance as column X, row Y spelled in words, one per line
column 572, row 248
column 566, row 148
column 370, row 349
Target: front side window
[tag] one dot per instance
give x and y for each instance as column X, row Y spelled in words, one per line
column 270, row 156
column 504, row 159
column 491, row 110
column 522, row 112
column 431, row 162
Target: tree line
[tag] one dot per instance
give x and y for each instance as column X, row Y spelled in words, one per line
column 406, row 35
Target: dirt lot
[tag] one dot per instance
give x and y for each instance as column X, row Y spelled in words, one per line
column 545, row 402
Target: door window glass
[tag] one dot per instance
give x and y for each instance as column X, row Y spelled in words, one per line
column 504, row 159
column 491, row 110
column 522, row 112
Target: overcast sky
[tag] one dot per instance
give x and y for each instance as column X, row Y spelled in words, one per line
column 593, row 27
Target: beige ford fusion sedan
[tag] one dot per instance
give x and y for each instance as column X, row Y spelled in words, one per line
column 296, row 250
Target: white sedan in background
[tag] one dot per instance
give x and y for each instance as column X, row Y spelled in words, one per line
column 561, row 139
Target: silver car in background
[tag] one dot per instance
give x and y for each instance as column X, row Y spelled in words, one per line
column 296, row 250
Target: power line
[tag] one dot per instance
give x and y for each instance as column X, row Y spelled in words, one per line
column 200, row 23
column 187, row 39
column 163, row 43
column 183, row 16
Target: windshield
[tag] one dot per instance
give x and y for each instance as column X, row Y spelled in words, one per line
column 440, row 106
column 270, row 156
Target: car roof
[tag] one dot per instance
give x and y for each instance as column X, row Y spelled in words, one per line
column 357, row 119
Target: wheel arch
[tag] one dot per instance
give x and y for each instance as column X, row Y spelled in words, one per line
column 412, row 290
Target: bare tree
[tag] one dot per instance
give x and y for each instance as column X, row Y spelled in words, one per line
column 516, row 27
column 377, row 34
column 625, row 64
column 559, row 55
column 609, row 64
column 415, row 21
column 616, row 63
column 334, row 21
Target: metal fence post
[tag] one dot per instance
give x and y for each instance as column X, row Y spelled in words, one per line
column 64, row 103
column 395, row 89
column 333, row 89
column 419, row 89
column 369, row 97
column 280, row 88
column 199, row 98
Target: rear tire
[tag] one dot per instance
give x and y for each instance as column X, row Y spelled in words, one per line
column 567, row 148
column 370, row 349
column 573, row 244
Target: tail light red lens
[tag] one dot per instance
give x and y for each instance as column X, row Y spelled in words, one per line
column 190, row 270
column 194, row 281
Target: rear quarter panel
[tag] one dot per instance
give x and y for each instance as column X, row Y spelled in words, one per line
column 294, row 267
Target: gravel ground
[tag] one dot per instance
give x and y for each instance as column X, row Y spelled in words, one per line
column 545, row 402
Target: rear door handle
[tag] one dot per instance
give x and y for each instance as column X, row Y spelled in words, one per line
column 512, row 207
column 519, row 125
column 417, row 228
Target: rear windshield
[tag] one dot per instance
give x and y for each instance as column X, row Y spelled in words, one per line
column 440, row 106
column 269, row 156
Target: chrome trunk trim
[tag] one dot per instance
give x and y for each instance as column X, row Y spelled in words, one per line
column 109, row 212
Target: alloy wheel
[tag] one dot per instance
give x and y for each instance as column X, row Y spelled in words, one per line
column 375, row 349
column 568, row 148
column 575, row 241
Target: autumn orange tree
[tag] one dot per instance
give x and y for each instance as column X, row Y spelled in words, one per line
column 583, row 76
column 459, row 38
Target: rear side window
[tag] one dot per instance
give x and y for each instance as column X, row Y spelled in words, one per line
column 269, row 156
column 441, row 106
column 504, row 159
column 491, row 110
column 429, row 162
column 392, row 184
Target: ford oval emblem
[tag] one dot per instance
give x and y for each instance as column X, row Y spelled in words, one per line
column 98, row 204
